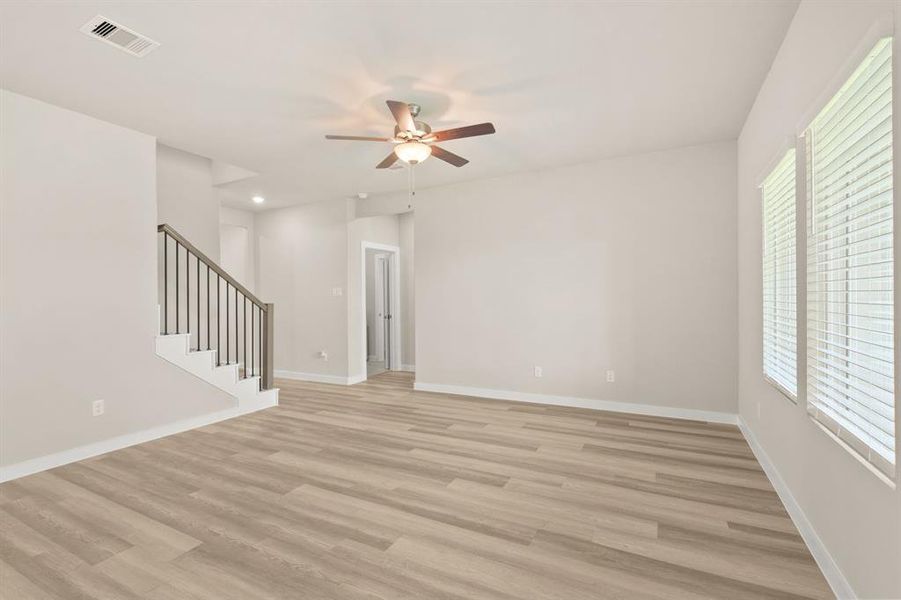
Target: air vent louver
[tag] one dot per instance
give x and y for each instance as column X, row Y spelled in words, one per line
column 116, row 35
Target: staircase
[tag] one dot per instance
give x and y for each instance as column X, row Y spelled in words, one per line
column 212, row 326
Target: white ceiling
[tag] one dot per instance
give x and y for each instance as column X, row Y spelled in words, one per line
column 257, row 84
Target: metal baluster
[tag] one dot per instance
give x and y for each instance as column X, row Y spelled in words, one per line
column 165, row 283
column 253, row 339
column 177, row 311
column 228, row 354
column 263, row 359
column 188, row 293
column 207, row 308
column 244, row 314
column 218, row 325
column 237, row 347
column 197, row 258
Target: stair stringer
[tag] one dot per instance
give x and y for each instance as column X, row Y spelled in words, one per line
column 202, row 364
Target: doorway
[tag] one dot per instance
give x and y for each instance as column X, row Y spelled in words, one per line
column 381, row 308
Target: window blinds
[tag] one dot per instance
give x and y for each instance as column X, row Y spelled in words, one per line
column 779, row 284
column 850, row 271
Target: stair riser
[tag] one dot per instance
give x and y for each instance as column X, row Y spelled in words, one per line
column 174, row 348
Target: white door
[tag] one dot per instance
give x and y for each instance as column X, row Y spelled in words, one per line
column 382, row 331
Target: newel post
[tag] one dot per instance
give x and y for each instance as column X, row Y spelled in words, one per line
column 268, row 347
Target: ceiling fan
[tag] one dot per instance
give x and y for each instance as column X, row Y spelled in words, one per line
column 414, row 141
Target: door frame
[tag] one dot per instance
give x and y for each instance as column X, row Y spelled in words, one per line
column 394, row 276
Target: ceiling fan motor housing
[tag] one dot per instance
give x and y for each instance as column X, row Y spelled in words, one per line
column 422, row 130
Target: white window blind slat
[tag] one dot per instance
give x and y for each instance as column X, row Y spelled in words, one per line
column 850, row 263
column 779, row 271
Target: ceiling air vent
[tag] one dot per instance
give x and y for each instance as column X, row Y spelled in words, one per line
column 121, row 37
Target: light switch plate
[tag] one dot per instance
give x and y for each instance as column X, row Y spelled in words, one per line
column 97, row 408
column 538, row 372
column 611, row 375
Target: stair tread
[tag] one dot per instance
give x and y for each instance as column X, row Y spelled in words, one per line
column 230, row 380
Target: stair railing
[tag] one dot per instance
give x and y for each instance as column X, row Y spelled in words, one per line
column 199, row 298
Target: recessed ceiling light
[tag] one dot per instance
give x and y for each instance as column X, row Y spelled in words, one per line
column 258, row 199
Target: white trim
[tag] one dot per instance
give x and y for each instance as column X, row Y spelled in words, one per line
column 881, row 28
column 788, row 143
column 318, row 377
column 354, row 379
column 834, row 577
column 51, row 461
column 395, row 300
column 791, row 397
column 408, row 368
column 626, row 407
column 856, row 454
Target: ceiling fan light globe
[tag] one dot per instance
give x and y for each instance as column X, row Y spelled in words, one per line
column 413, row 152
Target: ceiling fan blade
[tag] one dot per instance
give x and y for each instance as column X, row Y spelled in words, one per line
column 357, row 138
column 389, row 160
column 460, row 132
column 448, row 157
column 401, row 112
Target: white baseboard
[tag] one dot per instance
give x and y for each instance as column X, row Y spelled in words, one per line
column 408, row 368
column 43, row 463
column 320, row 378
column 627, row 407
column 834, row 577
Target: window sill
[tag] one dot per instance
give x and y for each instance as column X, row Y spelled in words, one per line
column 793, row 398
column 855, row 454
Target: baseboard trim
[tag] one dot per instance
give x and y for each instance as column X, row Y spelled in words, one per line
column 319, row 377
column 408, row 368
column 625, row 407
column 51, row 461
column 831, row 571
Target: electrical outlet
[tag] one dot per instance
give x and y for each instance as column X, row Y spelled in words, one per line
column 323, row 355
column 538, row 372
column 97, row 408
column 611, row 375
column 336, row 291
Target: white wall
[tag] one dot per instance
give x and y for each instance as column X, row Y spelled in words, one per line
column 237, row 241
column 857, row 516
column 381, row 230
column 186, row 198
column 626, row 264
column 78, row 276
column 407, row 294
column 303, row 254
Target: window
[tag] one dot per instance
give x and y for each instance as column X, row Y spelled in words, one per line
column 850, row 269
column 779, row 286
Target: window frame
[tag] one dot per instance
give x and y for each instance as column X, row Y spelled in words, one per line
column 788, row 153
column 857, row 447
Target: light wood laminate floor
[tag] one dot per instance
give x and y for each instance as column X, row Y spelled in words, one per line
column 378, row 492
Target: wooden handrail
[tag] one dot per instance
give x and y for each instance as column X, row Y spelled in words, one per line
column 212, row 265
column 266, row 320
